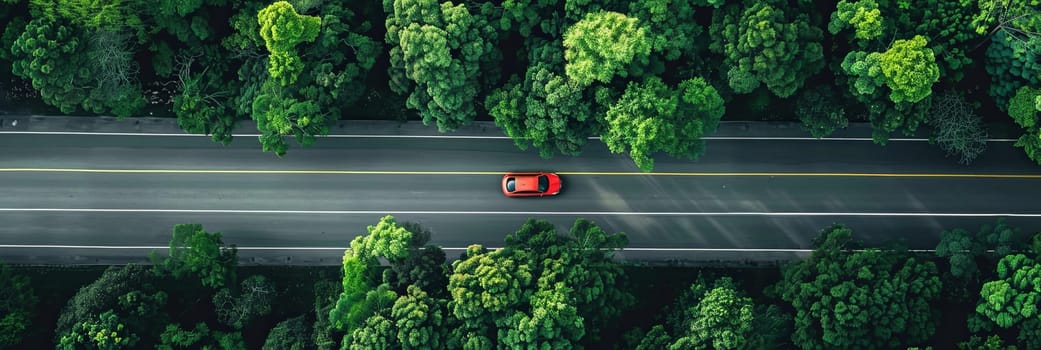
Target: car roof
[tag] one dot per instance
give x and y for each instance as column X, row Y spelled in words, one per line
column 526, row 183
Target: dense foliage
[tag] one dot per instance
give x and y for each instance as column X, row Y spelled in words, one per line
column 551, row 73
column 546, row 289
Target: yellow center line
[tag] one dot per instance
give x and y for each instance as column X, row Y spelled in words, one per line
column 572, row 173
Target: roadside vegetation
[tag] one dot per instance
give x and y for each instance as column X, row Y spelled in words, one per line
column 649, row 77
column 544, row 289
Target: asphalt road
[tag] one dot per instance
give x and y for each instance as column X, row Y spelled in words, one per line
column 744, row 200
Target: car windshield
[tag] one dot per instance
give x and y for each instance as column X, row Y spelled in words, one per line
column 543, row 183
column 511, row 184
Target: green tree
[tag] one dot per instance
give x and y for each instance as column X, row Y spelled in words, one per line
column 546, row 110
column 436, row 52
column 104, row 332
column 721, row 316
column 17, row 305
column 50, row 55
column 910, row 70
column 291, row 334
column 865, row 80
column 863, row 16
column 859, row 300
column 602, row 45
column 650, row 117
column 251, row 301
column 764, row 43
column 1015, row 294
column 419, row 320
column 671, row 27
column 656, row 339
column 386, row 239
column 378, row 331
column 98, row 296
column 574, row 276
column 989, row 343
column 485, row 287
column 1012, row 62
column 820, row 113
column 425, row 269
column 326, row 294
column 957, row 128
column 278, row 114
column 201, row 106
column 175, row 337
column 282, row 28
column 1022, row 109
column 195, row 252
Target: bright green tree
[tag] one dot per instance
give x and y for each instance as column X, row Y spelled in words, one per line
column 1015, row 295
column 103, row 332
column 872, row 299
column 386, row 239
column 866, row 80
column 863, row 16
column 910, row 70
column 602, row 45
column 650, row 117
column 17, row 307
column 766, row 43
column 282, row 29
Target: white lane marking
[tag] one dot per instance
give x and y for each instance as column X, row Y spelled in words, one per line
column 554, row 213
column 728, row 138
column 640, row 249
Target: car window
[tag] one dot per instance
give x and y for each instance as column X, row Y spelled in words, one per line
column 511, row 184
column 543, row 183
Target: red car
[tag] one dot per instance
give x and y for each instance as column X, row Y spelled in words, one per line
column 530, row 184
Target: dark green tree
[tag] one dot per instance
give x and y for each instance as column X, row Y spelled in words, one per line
column 17, row 307
column 436, row 52
column 820, row 111
column 99, row 296
column 252, row 300
column 870, row 299
column 291, row 334
column 546, row 110
column 195, row 252
column 766, row 42
column 718, row 315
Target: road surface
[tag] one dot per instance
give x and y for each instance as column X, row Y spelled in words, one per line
column 96, row 199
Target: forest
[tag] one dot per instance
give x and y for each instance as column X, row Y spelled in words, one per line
column 543, row 290
column 649, row 77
